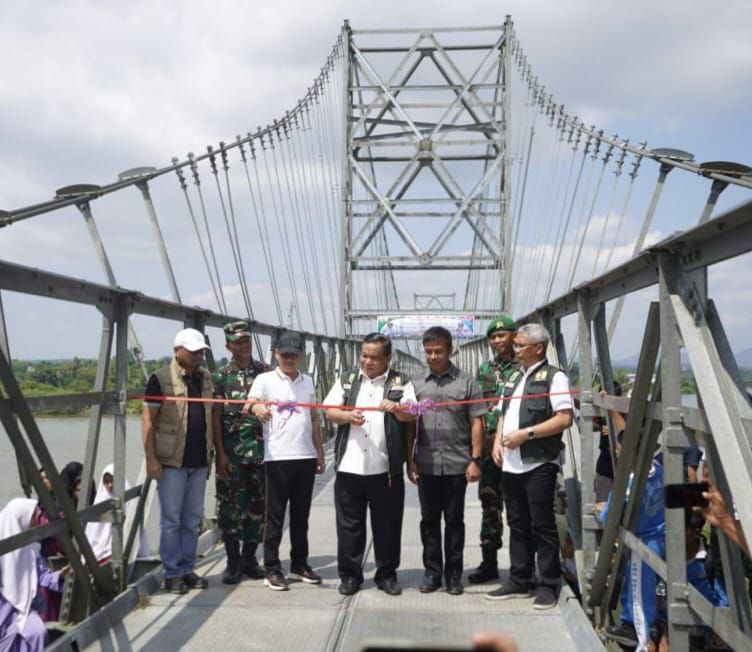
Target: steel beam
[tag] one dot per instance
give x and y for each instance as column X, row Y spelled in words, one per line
column 723, row 238
column 95, row 416
column 102, row 587
column 674, row 441
column 637, row 408
column 586, row 535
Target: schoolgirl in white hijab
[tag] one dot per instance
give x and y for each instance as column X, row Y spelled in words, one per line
column 100, row 533
column 21, row 572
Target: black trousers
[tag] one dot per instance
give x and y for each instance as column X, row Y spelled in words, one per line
column 529, row 499
column 288, row 481
column 354, row 495
column 442, row 495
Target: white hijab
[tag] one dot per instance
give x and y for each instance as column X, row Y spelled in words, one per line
column 99, row 533
column 18, row 569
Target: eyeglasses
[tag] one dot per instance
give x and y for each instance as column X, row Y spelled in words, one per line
column 517, row 347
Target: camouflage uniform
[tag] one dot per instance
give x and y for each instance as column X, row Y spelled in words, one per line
column 241, row 492
column 491, row 377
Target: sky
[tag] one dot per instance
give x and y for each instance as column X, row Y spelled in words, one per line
column 91, row 89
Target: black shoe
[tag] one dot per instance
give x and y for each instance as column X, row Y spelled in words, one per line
column 276, row 581
column 306, row 574
column 454, row 586
column 430, row 584
column 488, row 570
column 175, row 585
column 623, row 634
column 253, row 569
column 232, row 574
column 509, row 592
column 546, row 598
column 249, row 565
column 389, row 586
column 349, row 586
column 193, row 581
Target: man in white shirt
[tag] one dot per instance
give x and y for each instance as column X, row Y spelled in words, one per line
column 536, row 408
column 370, row 452
column 293, row 455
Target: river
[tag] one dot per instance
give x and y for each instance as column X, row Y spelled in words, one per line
column 66, row 441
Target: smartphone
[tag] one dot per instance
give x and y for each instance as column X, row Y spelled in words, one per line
column 400, row 645
column 685, row 495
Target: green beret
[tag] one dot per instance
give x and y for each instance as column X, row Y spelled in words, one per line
column 501, row 323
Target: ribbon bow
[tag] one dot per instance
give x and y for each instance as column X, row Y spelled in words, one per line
column 421, row 407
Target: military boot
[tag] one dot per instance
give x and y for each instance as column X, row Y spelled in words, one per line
column 232, row 574
column 250, row 566
column 488, row 569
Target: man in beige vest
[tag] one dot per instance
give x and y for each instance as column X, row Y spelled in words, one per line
column 178, row 443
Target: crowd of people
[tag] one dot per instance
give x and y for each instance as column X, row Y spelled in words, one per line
column 30, row 590
column 642, row 622
column 501, row 427
column 268, row 452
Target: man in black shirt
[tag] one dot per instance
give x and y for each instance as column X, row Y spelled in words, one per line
column 178, row 444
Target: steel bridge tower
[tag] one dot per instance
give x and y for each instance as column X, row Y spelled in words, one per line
column 425, row 172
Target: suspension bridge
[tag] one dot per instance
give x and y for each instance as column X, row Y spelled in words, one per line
column 421, row 166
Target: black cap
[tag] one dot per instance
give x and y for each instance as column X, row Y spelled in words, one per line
column 290, row 342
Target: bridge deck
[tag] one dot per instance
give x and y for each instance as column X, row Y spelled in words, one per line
column 251, row 617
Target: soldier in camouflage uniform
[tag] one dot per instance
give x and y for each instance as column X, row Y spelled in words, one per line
column 491, row 377
column 239, row 443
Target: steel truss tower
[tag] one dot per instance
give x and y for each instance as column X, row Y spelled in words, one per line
column 426, row 170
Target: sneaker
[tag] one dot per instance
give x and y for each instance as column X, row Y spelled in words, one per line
column 546, row 598
column 509, row 592
column 306, row 574
column 193, row 581
column 623, row 634
column 175, row 585
column 276, row 581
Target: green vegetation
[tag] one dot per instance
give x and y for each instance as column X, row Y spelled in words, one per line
column 624, row 376
column 57, row 377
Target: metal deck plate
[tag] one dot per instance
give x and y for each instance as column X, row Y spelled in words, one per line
column 308, row 617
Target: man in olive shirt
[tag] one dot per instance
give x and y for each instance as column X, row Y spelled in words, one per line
column 446, row 457
column 178, row 444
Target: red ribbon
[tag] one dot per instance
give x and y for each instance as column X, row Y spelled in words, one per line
column 323, row 406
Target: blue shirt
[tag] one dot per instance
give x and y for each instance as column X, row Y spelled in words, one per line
column 651, row 520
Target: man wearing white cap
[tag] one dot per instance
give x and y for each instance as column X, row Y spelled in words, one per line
column 178, row 443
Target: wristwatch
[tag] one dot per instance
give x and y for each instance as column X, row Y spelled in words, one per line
column 531, row 434
column 476, row 459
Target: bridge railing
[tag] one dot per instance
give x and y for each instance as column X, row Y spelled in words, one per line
column 683, row 317
column 325, row 358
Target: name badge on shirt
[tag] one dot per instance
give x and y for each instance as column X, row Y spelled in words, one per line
column 541, row 375
column 513, row 379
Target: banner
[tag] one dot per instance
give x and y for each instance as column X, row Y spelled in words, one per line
column 412, row 326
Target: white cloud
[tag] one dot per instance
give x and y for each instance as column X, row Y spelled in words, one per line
column 90, row 90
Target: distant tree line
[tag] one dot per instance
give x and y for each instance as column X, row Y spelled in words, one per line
column 55, row 377
column 50, row 377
